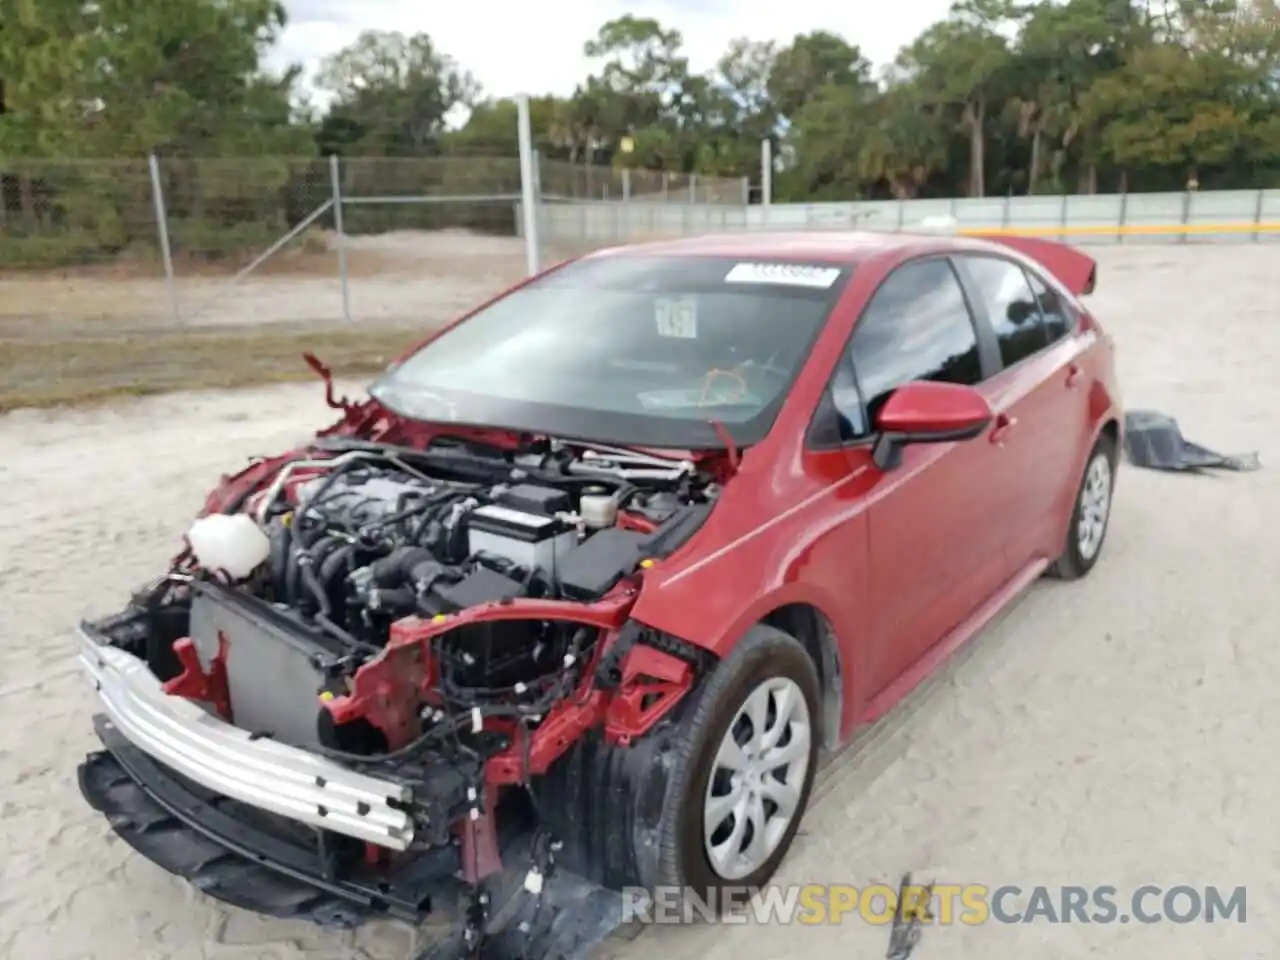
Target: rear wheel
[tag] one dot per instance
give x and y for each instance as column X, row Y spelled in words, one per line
column 743, row 769
column 1091, row 515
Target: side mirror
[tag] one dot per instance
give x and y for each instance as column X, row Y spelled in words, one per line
column 928, row 412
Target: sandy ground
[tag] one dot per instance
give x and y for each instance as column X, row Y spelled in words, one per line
column 1113, row 731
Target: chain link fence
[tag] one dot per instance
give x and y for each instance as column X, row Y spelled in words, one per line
column 158, row 274
column 74, row 237
column 583, row 208
column 148, row 274
column 582, row 182
column 227, row 241
column 426, row 239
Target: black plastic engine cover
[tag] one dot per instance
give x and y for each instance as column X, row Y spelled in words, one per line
column 481, row 585
column 604, row 558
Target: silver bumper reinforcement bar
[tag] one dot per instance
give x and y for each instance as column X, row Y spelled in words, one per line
column 260, row 772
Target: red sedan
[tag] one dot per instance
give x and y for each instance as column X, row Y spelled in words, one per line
column 609, row 561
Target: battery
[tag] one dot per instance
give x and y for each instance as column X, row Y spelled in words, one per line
column 526, row 539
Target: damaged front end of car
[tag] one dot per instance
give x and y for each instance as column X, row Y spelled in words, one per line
column 359, row 691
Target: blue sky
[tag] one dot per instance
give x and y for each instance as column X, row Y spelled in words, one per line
column 514, row 47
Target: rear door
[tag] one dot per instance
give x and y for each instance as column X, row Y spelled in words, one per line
column 936, row 547
column 1038, row 395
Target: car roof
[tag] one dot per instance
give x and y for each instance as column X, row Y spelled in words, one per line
column 837, row 246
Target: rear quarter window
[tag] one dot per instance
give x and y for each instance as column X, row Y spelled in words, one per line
column 1009, row 302
column 1060, row 315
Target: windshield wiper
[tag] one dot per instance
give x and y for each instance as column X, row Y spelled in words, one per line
column 471, row 466
column 614, row 449
column 602, row 451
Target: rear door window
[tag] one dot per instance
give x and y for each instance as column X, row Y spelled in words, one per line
column 916, row 327
column 1010, row 305
column 1059, row 316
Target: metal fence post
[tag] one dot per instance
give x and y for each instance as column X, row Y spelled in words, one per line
column 1186, row 213
column 625, row 217
column 1122, row 218
column 1257, row 214
column 766, row 179
column 746, row 191
column 335, row 179
column 693, row 188
column 162, row 230
column 584, row 209
column 528, row 188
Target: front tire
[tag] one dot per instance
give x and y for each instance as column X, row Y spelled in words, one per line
column 743, row 770
column 1091, row 515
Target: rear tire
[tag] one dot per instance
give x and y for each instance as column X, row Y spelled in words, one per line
column 1091, row 515
column 743, row 768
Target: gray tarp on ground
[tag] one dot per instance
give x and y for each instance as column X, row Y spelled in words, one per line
column 1154, row 440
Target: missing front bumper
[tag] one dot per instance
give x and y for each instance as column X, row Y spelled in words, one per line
column 238, row 857
column 271, row 776
column 197, row 836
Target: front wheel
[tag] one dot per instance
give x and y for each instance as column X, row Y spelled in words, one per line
column 1091, row 516
column 743, row 771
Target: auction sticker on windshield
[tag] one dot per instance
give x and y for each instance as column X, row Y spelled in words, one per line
column 676, row 317
column 786, row 274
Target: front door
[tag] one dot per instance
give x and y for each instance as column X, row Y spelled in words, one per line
column 937, row 545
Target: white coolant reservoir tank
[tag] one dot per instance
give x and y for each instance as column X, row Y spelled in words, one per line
column 232, row 543
column 598, row 507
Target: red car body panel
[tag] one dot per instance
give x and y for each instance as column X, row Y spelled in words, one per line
column 903, row 565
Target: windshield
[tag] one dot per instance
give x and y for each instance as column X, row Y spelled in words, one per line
column 629, row 350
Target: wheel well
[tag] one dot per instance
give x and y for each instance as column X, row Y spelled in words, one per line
column 1111, row 430
column 1111, row 433
column 807, row 624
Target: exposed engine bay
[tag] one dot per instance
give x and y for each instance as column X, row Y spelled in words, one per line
column 372, row 540
column 303, row 615
column 341, row 547
column 417, row 628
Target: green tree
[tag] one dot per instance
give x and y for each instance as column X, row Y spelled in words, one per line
column 1177, row 115
column 491, row 129
column 392, row 95
column 111, row 79
column 1025, row 96
column 961, row 66
column 813, row 62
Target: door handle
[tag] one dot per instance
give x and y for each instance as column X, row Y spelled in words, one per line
column 1073, row 374
column 1004, row 423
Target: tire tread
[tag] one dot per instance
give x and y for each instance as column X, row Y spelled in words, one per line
column 760, row 645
